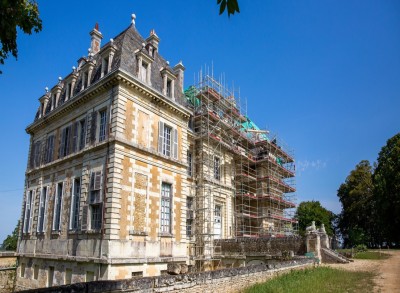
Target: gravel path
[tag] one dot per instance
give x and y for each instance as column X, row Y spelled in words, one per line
column 388, row 271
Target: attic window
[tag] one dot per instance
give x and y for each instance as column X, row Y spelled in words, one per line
column 169, row 88
column 85, row 80
column 68, row 91
column 143, row 71
column 104, row 66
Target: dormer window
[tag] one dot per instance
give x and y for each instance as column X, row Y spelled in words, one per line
column 169, row 83
column 143, row 72
column 169, row 88
column 104, row 66
column 68, row 91
column 85, row 80
column 144, row 66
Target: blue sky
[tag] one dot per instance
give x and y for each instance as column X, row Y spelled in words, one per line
column 324, row 75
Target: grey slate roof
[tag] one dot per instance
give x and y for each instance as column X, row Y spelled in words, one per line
column 126, row 43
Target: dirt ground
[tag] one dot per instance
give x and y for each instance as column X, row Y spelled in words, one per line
column 388, row 271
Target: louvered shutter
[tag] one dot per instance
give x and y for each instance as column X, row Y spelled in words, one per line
column 69, row 141
column 175, row 143
column 84, row 225
column 62, row 144
column 46, row 200
column 39, row 211
column 27, row 204
column 75, row 140
column 31, row 211
column 39, row 154
column 160, row 136
column 93, row 128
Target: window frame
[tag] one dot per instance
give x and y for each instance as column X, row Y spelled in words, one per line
column 217, row 168
column 75, row 205
column 42, row 210
column 166, row 208
column 58, row 204
column 102, row 131
column 28, row 213
column 95, row 200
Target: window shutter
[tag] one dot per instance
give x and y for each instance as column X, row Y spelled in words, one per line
column 160, row 136
column 75, row 139
column 97, row 180
column 175, row 143
column 46, row 200
column 69, row 144
column 84, row 226
column 40, row 155
column 27, row 203
column 31, row 211
column 93, row 128
column 62, row 144
column 46, row 150
column 39, row 213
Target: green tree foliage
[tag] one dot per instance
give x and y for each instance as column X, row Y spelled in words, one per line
column 309, row 211
column 386, row 181
column 10, row 243
column 357, row 223
column 16, row 13
column 231, row 6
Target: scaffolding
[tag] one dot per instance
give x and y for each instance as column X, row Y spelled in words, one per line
column 235, row 161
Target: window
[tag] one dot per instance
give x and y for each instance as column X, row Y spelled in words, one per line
column 102, row 128
column 217, row 168
column 68, row 276
column 168, row 141
column 104, row 67
column 169, row 88
column 166, row 150
column 75, row 200
column 65, row 142
column 217, row 221
column 50, row 277
column 143, row 71
column 49, row 149
column 166, row 197
column 68, row 91
column 189, row 216
column 57, row 207
column 35, row 272
column 28, row 212
column 95, row 201
column 85, row 80
column 190, row 163
column 82, row 134
column 36, row 157
column 42, row 210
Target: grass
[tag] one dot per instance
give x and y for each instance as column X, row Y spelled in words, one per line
column 321, row 279
column 371, row 255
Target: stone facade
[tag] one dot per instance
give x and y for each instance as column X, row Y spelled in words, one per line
column 111, row 189
column 8, row 264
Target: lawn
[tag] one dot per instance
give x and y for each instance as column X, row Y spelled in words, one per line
column 321, row 279
column 371, row 255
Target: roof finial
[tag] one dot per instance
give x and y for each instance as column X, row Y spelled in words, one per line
column 46, row 89
column 133, row 18
column 96, row 27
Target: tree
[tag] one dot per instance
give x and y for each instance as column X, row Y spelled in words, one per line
column 231, row 6
column 309, row 211
column 357, row 220
column 10, row 243
column 16, row 13
column 386, row 181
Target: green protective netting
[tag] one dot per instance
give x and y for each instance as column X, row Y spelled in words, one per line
column 191, row 96
column 248, row 124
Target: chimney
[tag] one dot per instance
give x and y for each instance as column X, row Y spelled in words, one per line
column 153, row 39
column 96, row 37
column 178, row 71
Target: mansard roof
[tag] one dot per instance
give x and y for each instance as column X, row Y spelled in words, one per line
column 126, row 44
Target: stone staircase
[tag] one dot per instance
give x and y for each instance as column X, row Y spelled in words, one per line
column 329, row 256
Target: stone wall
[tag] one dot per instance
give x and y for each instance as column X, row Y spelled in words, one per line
column 225, row 280
column 262, row 246
column 7, row 272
